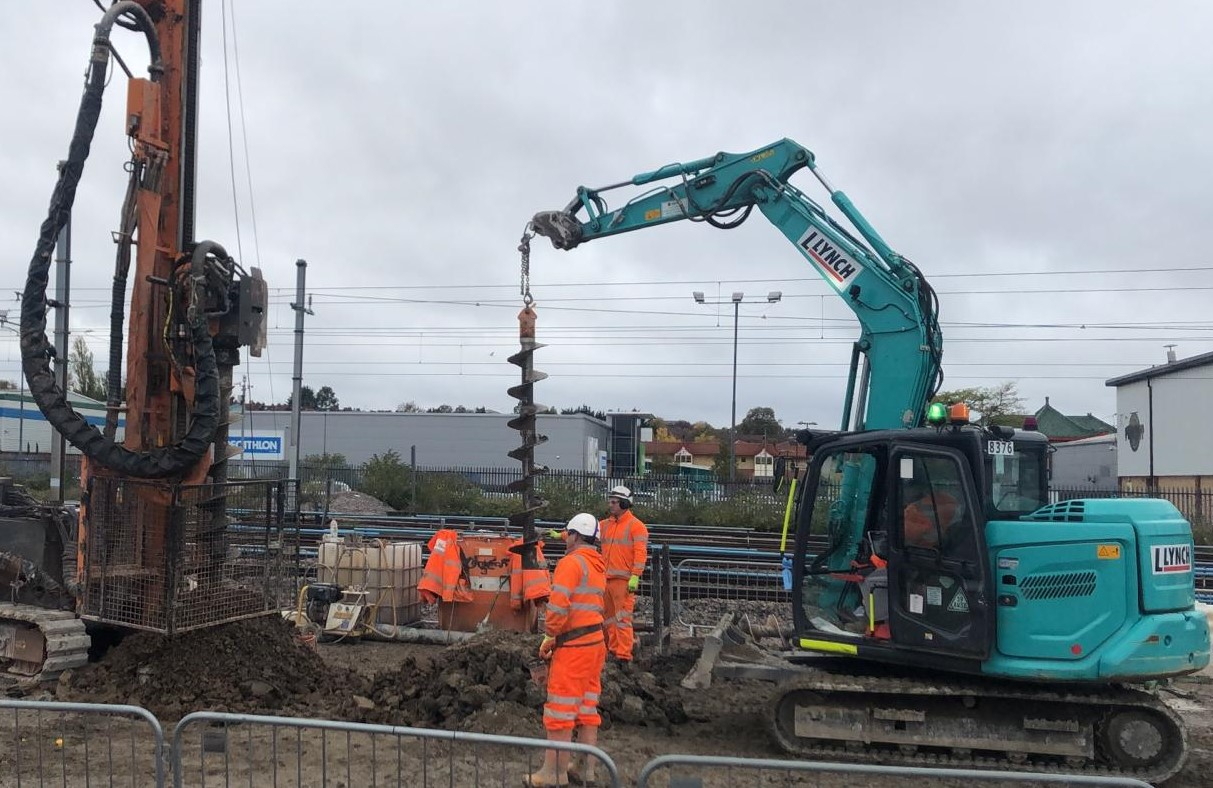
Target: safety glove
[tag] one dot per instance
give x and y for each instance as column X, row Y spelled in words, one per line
column 633, row 583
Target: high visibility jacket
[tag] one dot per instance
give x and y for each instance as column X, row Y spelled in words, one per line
column 625, row 545
column 527, row 585
column 574, row 612
column 443, row 577
column 920, row 519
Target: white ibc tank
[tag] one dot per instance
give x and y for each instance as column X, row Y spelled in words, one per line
column 387, row 571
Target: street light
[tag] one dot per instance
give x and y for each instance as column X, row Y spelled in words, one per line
column 737, row 299
column 21, row 382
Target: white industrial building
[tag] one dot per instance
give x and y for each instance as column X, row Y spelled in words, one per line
column 1162, row 434
column 23, row 428
column 575, row 442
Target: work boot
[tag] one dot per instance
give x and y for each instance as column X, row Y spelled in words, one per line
column 555, row 768
column 582, row 766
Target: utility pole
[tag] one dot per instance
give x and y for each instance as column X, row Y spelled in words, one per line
column 733, row 423
column 773, row 297
column 63, row 286
column 297, row 378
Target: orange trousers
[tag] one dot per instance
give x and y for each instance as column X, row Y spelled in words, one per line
column 574, row 683
column 618, row 618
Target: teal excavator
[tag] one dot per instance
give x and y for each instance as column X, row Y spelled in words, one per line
column 954, row 616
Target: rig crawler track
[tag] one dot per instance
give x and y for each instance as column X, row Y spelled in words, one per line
column 978, row 723
column 54, row 641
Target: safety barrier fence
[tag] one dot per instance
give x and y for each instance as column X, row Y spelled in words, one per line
column 45, row 743
column 211, row 748
column 706, row 771
column 705, row 588
column 70, row 744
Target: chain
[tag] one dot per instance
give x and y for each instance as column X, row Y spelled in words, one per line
column 525, row 248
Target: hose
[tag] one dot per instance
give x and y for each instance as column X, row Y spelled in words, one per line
column 36, row 350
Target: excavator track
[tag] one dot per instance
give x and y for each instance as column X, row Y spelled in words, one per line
column 37, row 644
column 978, row 723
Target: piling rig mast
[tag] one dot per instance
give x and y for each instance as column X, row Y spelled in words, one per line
column 153, row 515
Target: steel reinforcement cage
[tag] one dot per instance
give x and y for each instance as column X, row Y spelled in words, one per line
column 168, row 557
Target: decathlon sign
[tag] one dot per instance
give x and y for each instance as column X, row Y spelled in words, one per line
column 260, row 446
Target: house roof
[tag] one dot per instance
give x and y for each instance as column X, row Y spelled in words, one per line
column 1204, row 359
column 783, row 449
column 670, row 448
column 1060, row 427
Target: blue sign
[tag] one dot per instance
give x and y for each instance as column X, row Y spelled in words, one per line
column 268, row 447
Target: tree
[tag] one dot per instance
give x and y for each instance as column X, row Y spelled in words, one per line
column 441, row 409
column 326, row 399
column 761, row 421
column 999, row 404
column 7, row 385
column 586, row 409
column 387, row 478
column 307, row 399
column 333, row 460
column 409, row 407
column 82, row 376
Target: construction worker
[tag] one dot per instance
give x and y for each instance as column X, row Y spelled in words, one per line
column 625, row 546
column 574, row 642
column 928, row 515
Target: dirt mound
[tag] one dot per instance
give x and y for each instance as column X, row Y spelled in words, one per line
column 464, row 679
column 475, row 684
column 255, row 665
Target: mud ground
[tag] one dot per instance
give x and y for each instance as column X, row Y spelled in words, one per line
column 482, row 686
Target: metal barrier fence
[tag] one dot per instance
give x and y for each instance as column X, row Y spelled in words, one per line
column 252, row 750
column 69, row 744
column 704, row 588
column 707, row 771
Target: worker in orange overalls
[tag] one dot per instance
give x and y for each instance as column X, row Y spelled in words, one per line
column 574, row 642
column 625, row 546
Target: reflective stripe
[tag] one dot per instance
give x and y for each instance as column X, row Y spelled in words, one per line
column 586, row 710
column 561, row 590
column 624, row 625
column 585, row 568
column 588, row 606
column 564, row 700
column 553, row 608
column 591, row 696
column 610, row 622
column 619, row 573
column 590, row 590
column 560, row 715
column 534, row 581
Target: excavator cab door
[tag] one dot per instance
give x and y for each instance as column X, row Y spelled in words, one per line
column 938, row 564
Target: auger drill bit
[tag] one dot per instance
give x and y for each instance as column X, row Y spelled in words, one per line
column 525, row 422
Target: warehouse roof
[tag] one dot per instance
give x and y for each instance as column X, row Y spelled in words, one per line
column 1157, row 371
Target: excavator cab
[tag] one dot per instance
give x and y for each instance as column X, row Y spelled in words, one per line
column 904, row 575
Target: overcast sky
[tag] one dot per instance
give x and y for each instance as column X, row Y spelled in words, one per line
column 400, row 148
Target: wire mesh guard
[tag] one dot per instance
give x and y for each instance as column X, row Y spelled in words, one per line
column 172, row 557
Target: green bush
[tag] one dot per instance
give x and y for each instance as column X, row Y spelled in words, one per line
column 387, row 478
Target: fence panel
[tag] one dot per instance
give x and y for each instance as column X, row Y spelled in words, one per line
column 706, row 771
column 215, row 749
column 68, row 744
column 704, row 588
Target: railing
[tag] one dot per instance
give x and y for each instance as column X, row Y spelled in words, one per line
column 50, row 743
column 210, row 748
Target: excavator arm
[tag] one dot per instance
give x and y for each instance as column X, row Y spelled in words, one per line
column 900, row 346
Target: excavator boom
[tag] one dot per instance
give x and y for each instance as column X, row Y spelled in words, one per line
column 900, row 342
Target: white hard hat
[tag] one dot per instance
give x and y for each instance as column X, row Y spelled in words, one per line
column 620, row 492
column 584, row 524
